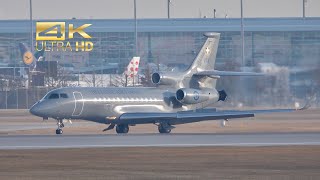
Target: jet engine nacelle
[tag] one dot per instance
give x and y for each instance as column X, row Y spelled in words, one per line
column 194, row 96
column 164, row 79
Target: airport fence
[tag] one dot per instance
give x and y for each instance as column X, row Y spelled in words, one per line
column 21, row 98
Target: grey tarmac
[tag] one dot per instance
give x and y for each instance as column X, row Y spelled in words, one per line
column 157, row 140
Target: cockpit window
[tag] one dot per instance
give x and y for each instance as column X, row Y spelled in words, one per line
column 54, row 96
column 63, row 96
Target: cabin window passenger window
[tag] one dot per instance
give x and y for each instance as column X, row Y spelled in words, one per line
column 63, row 96
column 54, row 96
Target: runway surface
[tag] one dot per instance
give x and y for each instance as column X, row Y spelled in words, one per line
column 158, row 140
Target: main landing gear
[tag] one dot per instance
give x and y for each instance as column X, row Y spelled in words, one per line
column 164, row 128
column 122, row 128
column 60, row 126
column 224, row 122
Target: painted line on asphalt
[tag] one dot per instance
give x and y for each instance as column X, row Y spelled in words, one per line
column 161, row 145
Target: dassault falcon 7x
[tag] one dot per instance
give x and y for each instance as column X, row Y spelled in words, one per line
column 179, row 98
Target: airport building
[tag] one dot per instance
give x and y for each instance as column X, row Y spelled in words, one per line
column 292, row 43
column 284, row 41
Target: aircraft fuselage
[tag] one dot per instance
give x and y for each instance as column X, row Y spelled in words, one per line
column 105, row 105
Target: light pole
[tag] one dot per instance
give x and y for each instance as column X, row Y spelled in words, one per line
column 304, row 2
column 31, row 29
column 31, row 49
column 135, row 28
column 168, row 13
column 242, row 34
column 136, row 33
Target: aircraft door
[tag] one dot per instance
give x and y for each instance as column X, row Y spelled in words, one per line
column 78, row 104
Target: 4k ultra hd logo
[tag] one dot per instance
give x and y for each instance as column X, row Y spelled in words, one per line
column 54, row 36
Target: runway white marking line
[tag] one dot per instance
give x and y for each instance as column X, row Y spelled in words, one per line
column 161, row 145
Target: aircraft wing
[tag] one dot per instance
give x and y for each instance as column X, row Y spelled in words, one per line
column 216, row 73
column 188, row 117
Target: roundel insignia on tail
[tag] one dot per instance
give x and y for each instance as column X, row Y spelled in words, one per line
column 196, row 95
column 28, row 58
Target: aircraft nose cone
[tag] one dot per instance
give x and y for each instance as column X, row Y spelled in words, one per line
column 35, row 110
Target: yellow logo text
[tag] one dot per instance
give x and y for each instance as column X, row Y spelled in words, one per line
column 51, row 36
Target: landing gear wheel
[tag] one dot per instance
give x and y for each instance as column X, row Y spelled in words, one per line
column 60, row 126
column 59, row 131
column 122, row 129
column 163, row 130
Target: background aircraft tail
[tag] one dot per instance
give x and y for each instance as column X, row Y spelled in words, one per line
column 133, row 67
column 27, row 54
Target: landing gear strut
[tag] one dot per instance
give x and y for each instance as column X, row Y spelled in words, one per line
column 224, row 122
column 122, row 128
column 164, row 128
column 60, row 126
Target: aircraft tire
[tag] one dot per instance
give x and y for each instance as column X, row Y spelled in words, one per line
column 59, row 131
column 163, row 130
column 122, row 129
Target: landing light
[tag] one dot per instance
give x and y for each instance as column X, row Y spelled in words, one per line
column 111, row 117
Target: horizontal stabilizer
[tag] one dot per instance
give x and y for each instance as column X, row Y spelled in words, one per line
column 217, row 74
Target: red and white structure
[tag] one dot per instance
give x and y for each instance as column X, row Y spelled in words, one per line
column 133, row 67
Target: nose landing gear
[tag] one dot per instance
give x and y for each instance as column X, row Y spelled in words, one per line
column 59, row 131
column 60, row 126
column 224, row 122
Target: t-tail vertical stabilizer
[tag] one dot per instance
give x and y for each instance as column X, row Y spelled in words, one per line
column 204, row 61
column 201, row 73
